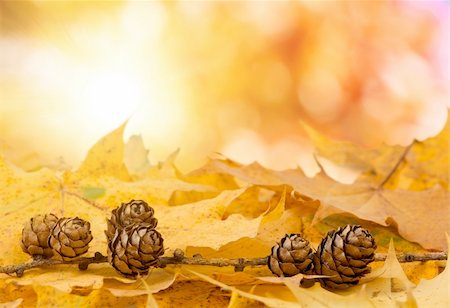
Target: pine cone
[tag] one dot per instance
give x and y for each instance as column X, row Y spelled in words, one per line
column 293, row 255
column 135, row 249
column 133, row 212
column 35, row 235
column 70, row 237
column 344, row 255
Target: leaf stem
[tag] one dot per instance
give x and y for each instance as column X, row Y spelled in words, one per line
column 239, row 264
column 396, row 166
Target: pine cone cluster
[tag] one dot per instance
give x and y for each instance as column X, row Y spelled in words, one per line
column 134, row 245
column 45, row 235
column 131, row 213
column 343, row 255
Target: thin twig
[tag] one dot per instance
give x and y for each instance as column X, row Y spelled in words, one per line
column 397, row 164
column 238, row 264
column 415, row 257
column 83, row 263
column 179, row 258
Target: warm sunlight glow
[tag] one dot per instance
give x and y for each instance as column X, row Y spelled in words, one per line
column 110, row 98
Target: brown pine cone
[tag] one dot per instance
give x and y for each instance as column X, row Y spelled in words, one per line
column 344, row 255
column 35, row 235
column 133, row 212
column 293, row 255
column 135, row 249
column 70, row 237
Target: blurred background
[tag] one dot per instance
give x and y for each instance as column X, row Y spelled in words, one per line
column 237, row 78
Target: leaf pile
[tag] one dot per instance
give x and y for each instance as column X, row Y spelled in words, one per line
column 225, row 209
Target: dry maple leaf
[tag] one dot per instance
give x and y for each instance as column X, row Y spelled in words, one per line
column 92, row 191
column 425, row 165
column 412, row 211
column 222, row 209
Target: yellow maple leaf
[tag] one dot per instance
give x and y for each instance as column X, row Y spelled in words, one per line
column 362, row 199
column 106, row 158
column 425, row 163
column 223, row 209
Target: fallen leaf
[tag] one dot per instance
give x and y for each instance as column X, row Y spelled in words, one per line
column 200, row 223
column 223, row 209
column 435, row 292
column 51, row 297
column 136, row 157
column 157, row 280
column 270, row 302
column 349, row 155
column 411, row 211
column 363, row 200
column 106, row 158
column 316, row 296
column 13, row 304
column 387, row 280
column 425, row 165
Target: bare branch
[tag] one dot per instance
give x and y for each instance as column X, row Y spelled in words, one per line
column 179, row 258
column 415, row 257
column 83, row 263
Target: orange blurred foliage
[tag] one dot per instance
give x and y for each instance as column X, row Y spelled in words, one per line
column 232, row 77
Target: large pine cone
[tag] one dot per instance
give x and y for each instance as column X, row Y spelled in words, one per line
column 70, row 237
column 133, row 212
column 344, row 255
column 135, row 249
column 35, row 235
column 293, row 255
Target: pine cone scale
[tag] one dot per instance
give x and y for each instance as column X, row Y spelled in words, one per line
column 145, row 248
column 77, row 244
column 353, row 251
column 285, row 255
column 30, row 239
column 74, row 236
column 346, row 271
column 67, row 251
column 289, row 269
column 299, row 254
column 42, row 238
column 121, row 266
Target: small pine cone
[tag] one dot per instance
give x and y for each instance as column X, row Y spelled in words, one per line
column 35, row 235
column 135, row 249
column 344, row 254
column 70, row 237
column 133, row 212
column 293, row 255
